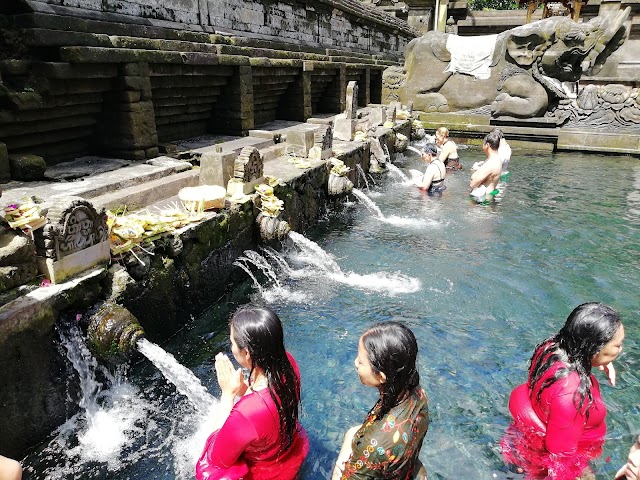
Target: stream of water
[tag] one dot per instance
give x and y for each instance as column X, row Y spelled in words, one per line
column 480, row 285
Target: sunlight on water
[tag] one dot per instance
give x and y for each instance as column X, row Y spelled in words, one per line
column 480, row 286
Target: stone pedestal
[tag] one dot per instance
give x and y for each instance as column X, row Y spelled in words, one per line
column 60, row 270
column 377, row 115
column 216, row 168
column 344, row 128
column 300, row 141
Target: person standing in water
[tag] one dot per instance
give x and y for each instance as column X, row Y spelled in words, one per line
column 504, row 152
column 485, row 180
column 448, row 150
column 260, row 437
column 388, row 443
column 433, row 178
column 558, row 414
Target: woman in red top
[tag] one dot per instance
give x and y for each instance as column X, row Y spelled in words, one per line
column 559, row 416
column 261, row 438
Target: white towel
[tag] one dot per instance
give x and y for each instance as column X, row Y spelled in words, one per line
column 471, row 55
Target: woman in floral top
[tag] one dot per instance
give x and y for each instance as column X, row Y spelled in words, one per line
column 387, row 444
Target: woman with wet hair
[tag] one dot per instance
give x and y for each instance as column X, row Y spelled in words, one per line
column 261, row 437
column 448, row 150
column 387, row 444
column 559, row 416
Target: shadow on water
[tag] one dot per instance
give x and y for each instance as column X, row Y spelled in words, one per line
column 494, row 281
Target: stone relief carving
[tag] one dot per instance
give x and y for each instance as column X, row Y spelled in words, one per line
column 532, row 67
column 614, row 105
column 70, row 230
column 248, row 166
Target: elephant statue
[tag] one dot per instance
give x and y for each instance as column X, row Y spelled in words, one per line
column 526, row 69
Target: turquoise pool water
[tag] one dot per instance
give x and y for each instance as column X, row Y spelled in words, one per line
column 494, row 281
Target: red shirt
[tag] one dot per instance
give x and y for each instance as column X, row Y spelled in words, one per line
column 251, row 434
column 551, row 437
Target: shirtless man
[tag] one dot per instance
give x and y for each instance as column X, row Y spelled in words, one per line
column 488, row 175
column 504, row 151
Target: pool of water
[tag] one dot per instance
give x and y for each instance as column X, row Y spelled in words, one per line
column 492, row 281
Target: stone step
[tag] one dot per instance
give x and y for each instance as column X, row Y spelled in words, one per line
column 140, row 196
column 92, row 185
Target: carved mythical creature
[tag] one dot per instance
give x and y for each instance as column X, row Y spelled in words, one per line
column 531, row 64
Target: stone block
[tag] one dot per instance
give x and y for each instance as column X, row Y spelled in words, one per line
column 377, row 115
column 343, row 128
column 5, row 169
column 27, row 167
column 58, row 271
column 15, row 247
column 16, row 275
column 129, row 83
column 152, row 152
column 301, row 141
column 216, row 168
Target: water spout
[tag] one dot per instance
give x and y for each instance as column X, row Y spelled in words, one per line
column 113, row 332
column 184, row 380
column 392, row 168
column 414, row 150
column 272, row 228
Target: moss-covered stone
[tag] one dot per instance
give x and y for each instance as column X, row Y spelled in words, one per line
column 27, row 167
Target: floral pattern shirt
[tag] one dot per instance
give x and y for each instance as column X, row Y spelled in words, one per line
column 388, row 447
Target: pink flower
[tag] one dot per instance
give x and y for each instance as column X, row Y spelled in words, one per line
column 45, row 283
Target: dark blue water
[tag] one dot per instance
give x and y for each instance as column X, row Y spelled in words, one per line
column 495, row 281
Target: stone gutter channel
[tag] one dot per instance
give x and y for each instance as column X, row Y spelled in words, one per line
column 185, row 272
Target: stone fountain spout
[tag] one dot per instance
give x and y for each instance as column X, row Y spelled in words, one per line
column 113, row 333
column 272, row 228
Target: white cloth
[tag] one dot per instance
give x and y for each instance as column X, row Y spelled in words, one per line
column 471, row 55
column 504, row 152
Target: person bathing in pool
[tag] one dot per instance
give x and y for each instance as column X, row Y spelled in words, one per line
column 486, row 178
column 433, row 179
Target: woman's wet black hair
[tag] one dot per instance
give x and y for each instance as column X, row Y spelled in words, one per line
column 392, row 349
column 430, row 149
column 259, row 330
column 588, row 329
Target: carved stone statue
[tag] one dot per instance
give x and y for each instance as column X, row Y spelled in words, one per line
column 527, row 69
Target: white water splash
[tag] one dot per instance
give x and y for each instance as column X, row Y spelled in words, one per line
column 106, row 424
column 370, row 204
column 397, row 172
column 272, row 289
column 363, row 175
column 391, row 284
column 393, row 219
column 185, row 381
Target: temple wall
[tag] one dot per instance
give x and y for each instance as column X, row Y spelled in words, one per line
column 121, row 78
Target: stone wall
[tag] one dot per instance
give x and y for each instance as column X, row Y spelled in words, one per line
column 189, row 271
column 118, row 78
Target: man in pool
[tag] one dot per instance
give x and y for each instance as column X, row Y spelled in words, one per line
column 485, row 179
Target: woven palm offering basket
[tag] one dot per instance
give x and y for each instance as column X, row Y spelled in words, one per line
column 203, row 197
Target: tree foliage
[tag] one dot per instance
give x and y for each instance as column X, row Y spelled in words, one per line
column 493, row 4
